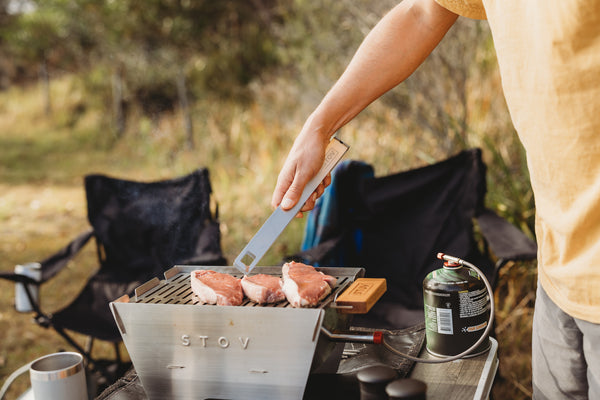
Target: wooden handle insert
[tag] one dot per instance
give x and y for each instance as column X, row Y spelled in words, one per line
column 362, row 294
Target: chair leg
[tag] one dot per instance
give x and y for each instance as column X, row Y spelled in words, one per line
column 73, row 343
column 89, row 343
column 118, row 354
column 91, row 363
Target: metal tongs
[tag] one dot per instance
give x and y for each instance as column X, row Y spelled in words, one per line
column 276, row 223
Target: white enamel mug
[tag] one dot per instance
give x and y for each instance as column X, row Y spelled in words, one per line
column 58, row 376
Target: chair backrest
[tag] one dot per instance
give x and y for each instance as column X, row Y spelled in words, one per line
column 144, row 228
column 395, row 225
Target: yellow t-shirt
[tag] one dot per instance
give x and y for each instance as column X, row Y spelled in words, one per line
column 549, row 58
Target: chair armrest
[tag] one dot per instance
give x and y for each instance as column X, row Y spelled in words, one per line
column 505, row 240
column 17, row 278
column 53, row 264
column 26, row 292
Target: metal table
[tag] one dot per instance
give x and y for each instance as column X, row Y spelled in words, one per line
column 469, row 378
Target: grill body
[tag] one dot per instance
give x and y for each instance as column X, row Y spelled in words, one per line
column 182, row 349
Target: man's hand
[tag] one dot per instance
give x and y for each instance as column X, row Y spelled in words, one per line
column 302, row 164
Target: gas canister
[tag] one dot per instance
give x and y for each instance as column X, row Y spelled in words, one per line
column 457, row 310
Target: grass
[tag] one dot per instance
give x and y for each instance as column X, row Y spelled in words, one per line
column 42, row 204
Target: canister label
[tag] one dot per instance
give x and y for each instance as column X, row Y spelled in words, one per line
column 439, row 320
column 472, row 304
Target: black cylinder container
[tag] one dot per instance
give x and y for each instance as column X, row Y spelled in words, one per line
column 457, row 309
column 373, row 380
column 406, row 389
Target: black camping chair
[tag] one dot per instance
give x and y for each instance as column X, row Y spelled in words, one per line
column 395, row 225
column 141, row 229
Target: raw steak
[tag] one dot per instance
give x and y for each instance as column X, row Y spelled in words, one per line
column 217, row 288
column 262, row 288
column 304, row 286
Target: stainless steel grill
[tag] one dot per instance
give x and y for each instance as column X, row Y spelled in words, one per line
column 183, row 349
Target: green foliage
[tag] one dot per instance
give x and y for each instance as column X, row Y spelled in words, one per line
column 149, row 43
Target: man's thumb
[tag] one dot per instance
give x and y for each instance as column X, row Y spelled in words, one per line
column 291, row 197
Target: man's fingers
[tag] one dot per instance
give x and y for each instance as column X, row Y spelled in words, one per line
column 292, row 195
column 289, row 189
column 321, row 189
column 286, row 193
column 327, row 180
column 278, row 194
column 310, row 203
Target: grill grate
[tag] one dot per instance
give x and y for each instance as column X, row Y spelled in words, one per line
column 178, row 290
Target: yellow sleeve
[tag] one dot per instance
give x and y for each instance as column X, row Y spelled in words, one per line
column 467, row 8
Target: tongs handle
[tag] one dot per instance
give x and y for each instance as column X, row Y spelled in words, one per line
column 276, row 223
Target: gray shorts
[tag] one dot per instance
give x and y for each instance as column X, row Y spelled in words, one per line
column 565, row 353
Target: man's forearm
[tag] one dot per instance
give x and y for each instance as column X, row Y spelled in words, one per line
column 389, row 54
column 395, row 47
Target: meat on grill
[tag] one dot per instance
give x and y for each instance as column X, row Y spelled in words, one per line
column 217, row 288
column 262, row 288
column 304, row 286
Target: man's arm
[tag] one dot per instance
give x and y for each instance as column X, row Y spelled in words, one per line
column 395, row 47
